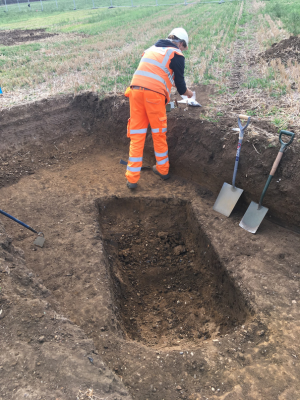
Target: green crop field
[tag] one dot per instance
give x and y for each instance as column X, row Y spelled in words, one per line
column 99, row 49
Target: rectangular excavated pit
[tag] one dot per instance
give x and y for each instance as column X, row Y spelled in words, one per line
column 169, row 285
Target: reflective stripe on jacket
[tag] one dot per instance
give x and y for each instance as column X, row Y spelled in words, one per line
column 154, row 70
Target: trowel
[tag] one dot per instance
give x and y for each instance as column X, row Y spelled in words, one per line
column 191, row 101
column 230, row 194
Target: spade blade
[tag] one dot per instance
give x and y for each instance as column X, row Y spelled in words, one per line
column 253, row 217
column 227, row 199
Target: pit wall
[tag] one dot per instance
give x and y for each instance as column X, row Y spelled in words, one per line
column 224, row 303
column 225, row 287
column 199, row 150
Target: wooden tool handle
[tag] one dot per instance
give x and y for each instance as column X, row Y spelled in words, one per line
column 276, row 163
column 242, row 116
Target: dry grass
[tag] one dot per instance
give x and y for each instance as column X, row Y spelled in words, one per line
column 269, row 32
column 257, row 6
column 275, row 96
column 74, row 63
column 69, row 67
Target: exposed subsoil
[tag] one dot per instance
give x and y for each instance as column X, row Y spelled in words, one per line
column 59, row 167
column 10, row 38
column 170, row 285
column 287, row 49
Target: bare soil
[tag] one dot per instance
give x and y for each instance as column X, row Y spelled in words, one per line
column 287, row 49
column 43, row 354
column 132, row 290
column 16, row 36
column 170, row 285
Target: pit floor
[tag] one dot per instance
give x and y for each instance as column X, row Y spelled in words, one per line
column 258, row 360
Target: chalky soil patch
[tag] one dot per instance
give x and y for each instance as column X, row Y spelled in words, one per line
column 169, row 285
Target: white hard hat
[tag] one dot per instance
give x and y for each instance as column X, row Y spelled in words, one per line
column 181, row 34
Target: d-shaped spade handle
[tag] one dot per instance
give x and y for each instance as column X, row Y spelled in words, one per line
column 277, row 161
column 283, row 144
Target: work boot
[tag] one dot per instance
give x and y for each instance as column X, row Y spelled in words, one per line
column 167, row 176
column 131, row 185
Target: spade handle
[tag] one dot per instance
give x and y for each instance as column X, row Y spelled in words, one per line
column 276, row 162
column 241, row 136
column 284, row 144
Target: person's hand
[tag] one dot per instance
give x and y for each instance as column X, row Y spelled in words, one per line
column 188, row 93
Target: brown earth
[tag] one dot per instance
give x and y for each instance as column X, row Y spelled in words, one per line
column 108, row 249
column 10, row 38
column 43, row 355
column 167, row 286
column 287, row 49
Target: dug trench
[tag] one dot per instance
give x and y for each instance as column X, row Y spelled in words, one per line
column 149, row 320
column 169, row 285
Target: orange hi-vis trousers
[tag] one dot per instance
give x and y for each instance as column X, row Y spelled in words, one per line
column 146, row 107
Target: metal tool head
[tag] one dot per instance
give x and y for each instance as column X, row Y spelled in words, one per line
column 253, row 217
column 40, row 240
column 227, row 199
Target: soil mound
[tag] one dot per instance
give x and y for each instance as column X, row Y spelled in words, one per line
column 9, row 38
column 285, row 50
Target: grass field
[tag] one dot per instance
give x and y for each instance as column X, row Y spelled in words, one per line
column 99, row 49
column 106, row 59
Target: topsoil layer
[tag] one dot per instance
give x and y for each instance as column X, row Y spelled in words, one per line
column 64, row 318
column 9, row 38
column 201, row 151
column 287, row 49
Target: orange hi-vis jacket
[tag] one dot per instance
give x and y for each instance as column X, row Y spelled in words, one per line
column 154, row 70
